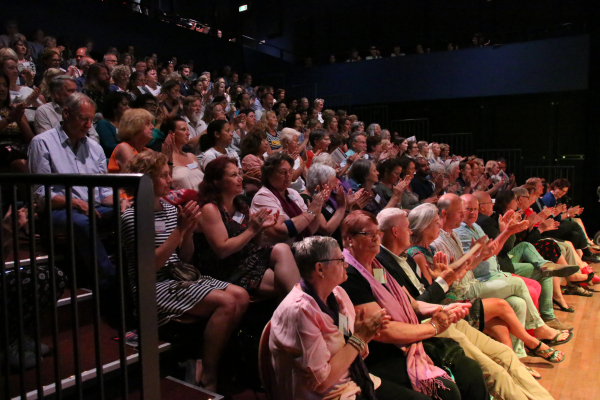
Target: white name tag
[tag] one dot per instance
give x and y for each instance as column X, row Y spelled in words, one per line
column 192, row 165
column 366, row 156
column 160, row 226
column 343, row 326
column 329, row 209
column 238, row 217
column 379, row 275
column 378, row 199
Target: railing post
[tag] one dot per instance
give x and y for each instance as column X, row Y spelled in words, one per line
column 146, row 284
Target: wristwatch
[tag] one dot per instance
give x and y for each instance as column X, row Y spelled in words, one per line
column 310, row 212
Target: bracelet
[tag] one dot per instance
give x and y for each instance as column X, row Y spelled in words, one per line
column 357, row 343
column 434, row 327
column 310, row 212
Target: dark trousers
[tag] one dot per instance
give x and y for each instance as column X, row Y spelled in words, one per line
column 571, row 231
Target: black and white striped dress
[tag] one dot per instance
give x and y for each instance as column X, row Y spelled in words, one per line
column 170, row 303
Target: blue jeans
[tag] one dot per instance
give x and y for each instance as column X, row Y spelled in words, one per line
column 81, row 238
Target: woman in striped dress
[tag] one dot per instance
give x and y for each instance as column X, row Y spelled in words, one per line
column 222, row 303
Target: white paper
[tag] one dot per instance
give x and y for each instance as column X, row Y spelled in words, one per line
column 338, row 156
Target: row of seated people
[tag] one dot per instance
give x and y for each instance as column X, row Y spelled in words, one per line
column 247, row 251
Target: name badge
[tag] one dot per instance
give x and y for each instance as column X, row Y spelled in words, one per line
column 238, row 217
column 330, row 209
column 378, row 199
column 192, row 165
column 343, row 326
column 160, row 226
column 379, row 275
column 366, row 156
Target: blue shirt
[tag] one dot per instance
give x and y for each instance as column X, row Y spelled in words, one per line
column 549, row 200
column 488, row 269
column 52, row 153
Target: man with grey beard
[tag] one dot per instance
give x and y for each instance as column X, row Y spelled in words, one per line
column 192, row 109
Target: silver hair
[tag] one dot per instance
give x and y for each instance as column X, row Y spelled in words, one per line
column 371, row 129
column 419, row 219
column 520, row 192
column 319, row 174
column 58, row 82
column 74, row 101
column 437, row 168
column 324, row 158
column 287, row 135
column 387, row 217
column 385, row 134
column 310, row 251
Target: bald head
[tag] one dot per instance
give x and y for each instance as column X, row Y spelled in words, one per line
column 486, row 205
column 470, row 209
column 451, row 211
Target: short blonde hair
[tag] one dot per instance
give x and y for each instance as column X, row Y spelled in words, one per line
column 264, row 117
column 133, row 123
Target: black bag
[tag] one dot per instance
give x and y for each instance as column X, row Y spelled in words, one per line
column 444, row 352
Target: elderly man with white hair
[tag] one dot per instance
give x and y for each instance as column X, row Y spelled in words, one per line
column 506, row 376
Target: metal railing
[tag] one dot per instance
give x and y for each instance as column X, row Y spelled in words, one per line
column 308, row 90
column 372, row 114
column 81, row 338
column 338, row 102
column 460, row 143
column 418, row 127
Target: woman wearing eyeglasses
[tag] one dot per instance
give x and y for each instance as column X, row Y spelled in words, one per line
column 397, row 354
column 317, row 342
column 296, row 220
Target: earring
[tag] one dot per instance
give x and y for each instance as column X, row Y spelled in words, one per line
column 322, row 276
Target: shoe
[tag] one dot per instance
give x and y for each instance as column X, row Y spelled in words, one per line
column 554, row 323
column 534, row 373
column 561, row 308
column 560, row 270
column 29, row 345
column 28, row 358
column 591, row 259
column 555, row 341
column 549, row 354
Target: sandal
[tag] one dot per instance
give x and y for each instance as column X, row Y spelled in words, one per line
column 555, row 341
column 533, row 372
column 577, row 291
column 590, row 277
column 561, row 308
column 554, row 354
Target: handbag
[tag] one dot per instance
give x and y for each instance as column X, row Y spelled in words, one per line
column 444, row 352
column 185, row 274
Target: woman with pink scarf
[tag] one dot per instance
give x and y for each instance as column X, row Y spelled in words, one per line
column 397, row 354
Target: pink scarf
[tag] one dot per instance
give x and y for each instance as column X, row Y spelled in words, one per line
column 421, row 371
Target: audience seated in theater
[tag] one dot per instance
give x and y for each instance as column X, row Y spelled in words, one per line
column 84, row 66
column 409, row 198
column 48, row 59
column 96, row 85
column 221, row 303
column 185, row 170
column 52, row 152
column 192, row 111
column 49, row 115
column 296, row 220
column 149, row 103
column 402, row 144
column 120, row 77
column 412, row 369
column 363, row 175
column 184, row 71
column 433, row 157
column 170, row 99
column 136, row 85
column 290, row 142
column 115, row 105
column 444, row 152
column 312, row 357
column 18, row 93
column 15, row 132
column 331, row 125
column 489, row 315
column 412, row 150
column 357, row 143
column 227, row 233
column 216, row 142
column 423, row 147
column 321, row 177
column 456, row 238
column 135, row 131
column 390, row 183
column 269, row 120
column 152, row 85
column 25, row 64
column 427, row 190
column 50, row 74
column 282, row 112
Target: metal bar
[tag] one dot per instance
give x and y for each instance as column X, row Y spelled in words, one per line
column 54, row 311
column 146, row 285
column 3, row 292
column 74, row 308
column 121, row 289
column 95, row 292
column 34, row 274
column 15, row 236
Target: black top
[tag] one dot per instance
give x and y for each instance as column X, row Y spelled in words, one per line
column 423, row 188
column 433, row 293
column 359, row 291
column 327, row 210
column 491, row 227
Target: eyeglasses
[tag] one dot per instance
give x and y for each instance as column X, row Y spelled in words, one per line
column 371, row 235
column 342, row 260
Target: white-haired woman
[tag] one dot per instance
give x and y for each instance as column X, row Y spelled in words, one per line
column 290, row 142
column 374, row 130
column 319, row 177
column 312, row 357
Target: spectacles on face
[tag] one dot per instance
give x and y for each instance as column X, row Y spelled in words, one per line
column 342, row 260
column 371, row 235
